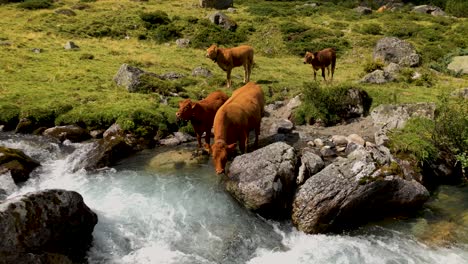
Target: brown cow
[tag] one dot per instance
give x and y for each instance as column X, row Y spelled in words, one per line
column 382, row 9
column 201, row 114
column 234, row 120
column 321, row 60
column 232, row 57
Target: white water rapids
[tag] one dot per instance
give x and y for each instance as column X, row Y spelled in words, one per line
column 185, row 216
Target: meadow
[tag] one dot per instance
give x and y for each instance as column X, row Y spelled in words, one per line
column 58, row 86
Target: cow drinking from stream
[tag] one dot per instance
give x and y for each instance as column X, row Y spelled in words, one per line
column 241, row 113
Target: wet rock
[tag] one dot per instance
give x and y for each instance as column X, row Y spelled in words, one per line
column 25, row 126
column 7, row 185
column 73, row 133
column 176, row 138
column 56, row 221
column 175, row 159
column 264, row 180
column 348, row 192
column 18, row 164
column 311, row 163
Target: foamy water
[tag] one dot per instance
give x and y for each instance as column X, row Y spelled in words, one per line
column 185, row 216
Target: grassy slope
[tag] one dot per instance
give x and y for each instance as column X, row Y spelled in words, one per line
column 83, row 90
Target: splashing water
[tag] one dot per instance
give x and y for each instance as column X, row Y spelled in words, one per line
column 185, row 216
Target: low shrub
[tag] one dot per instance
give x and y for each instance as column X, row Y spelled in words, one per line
column 165, row 33
column 35, row 4
column 369, row 28
column 329, row 105
column 203, row 34
column 414, row 140
column 372, row 65
column 402, row 29
column 458, row 8
column 155, row 19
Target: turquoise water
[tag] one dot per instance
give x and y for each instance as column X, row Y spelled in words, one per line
column 184, row 215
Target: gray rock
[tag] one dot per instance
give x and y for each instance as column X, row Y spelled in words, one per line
column 282, row 126
column 428, row 9
column 339, row 140
column 231, row 10
column 311, row 163
column 73, row 133
column 176, row 139
column 459, row 64
column 392, row 68
column 201, row 71
column 70, row 45
column 391, row 49
column 46, row 221
column 463, row 93
column 129, row 77
column 218, row 4
column 183, row 43
column 387, row 117
column 348, row 192
column 222, row 20
column 37, row 50
column 355, row 138
column 7, row 185
column 378, row 77
column 65, row 11
column 171, row 76
column 362, row 10
column 264, row 180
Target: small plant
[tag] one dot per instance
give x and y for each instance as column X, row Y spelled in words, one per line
column 86, row 56
column 369, row 28
column 155, row 19
column 372, row 65
column 35, row 4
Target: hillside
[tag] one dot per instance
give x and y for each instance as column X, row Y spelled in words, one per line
column 58, row 86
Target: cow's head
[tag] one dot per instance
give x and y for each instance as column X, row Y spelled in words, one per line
column 309, row 56
column 219, row 151
column 212, row 52
column 185, row 109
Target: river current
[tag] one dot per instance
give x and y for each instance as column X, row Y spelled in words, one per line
column 184, row 215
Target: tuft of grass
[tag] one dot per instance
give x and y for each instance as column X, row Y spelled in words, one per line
column 35, row 4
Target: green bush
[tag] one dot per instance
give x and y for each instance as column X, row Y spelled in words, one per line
column 165, row 33
column 457, row 8
column 372, row 65
column 204, row 34
column 414, row 140
column 369, row 28
column 35, row 4
column 330, row 105
column 155, row 19
column 402, row 29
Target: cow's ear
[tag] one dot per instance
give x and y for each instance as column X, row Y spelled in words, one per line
column 231, row 147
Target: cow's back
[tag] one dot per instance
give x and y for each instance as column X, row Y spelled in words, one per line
column 242, row 111
column 242, row 54
column 215, row 100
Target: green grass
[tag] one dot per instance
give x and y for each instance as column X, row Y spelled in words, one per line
column 65, row 87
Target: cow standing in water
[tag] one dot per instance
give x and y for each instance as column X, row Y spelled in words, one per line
column 228, row 58
column 321, row 60
column 234, row 120
column 201, row 114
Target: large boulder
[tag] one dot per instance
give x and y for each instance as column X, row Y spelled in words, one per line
column 378, row 77
column 459, row 64
column 388, row 117
column 18, row 164
column 222, row 20
column 50, row 221
column 129, row 77
column 428, row 9
column 352, row 191
column 73, row 133
column 391, row 49
column 264, row 180
column 218, row 4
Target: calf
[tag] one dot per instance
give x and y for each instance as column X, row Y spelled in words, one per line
column 321, row 60
column 201, row 114
column 228, row 58
column 234, row 120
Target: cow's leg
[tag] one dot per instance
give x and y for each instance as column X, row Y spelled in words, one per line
column 207, row 136
column 243, row 142
column 323, row 74
column 315, row 75
column 249, row 70
column 246, row 71
column 199, row 140
column 228, row 72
